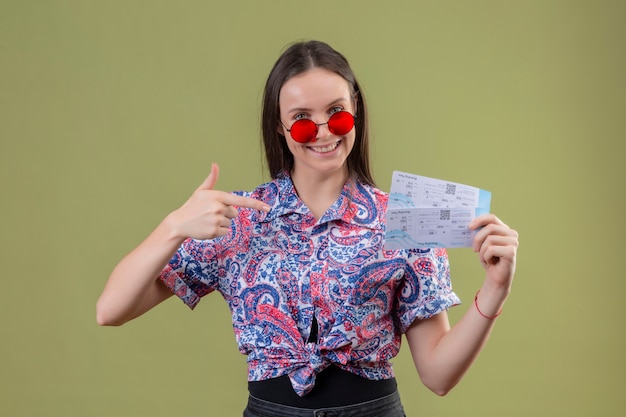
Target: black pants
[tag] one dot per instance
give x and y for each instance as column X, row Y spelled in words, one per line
column 387, row 406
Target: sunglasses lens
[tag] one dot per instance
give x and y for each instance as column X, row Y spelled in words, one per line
column 340, row 123
column 303, row 131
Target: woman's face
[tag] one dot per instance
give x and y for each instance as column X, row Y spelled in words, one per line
column 316, row 94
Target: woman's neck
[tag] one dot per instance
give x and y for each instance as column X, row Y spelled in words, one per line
column 319, row 191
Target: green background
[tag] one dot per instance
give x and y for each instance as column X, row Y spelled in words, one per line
column 111, row 113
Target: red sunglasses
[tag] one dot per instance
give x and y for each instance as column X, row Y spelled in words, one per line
column 305, row 130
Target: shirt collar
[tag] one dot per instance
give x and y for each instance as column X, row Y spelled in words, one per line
column 358, row 204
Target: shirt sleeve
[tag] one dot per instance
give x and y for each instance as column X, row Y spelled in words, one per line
column 192, row 272
column 426, row 289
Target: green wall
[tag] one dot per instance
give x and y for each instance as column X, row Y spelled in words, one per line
column 111, row 113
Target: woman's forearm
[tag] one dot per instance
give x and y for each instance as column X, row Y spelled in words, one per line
column 442, row 355
column 133, row 287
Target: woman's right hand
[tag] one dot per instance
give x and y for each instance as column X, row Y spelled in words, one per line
column 133, row 287
column 208, row 213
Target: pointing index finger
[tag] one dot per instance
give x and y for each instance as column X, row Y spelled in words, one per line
column 247, row 202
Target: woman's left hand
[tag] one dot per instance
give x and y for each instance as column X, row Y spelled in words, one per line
column 496, row 243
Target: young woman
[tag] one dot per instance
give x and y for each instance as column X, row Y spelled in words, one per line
column 318, row 306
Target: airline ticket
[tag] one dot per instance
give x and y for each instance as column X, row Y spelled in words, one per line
column 427, row 212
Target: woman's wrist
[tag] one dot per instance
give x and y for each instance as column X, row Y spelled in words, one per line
column 478, row 309
column 170, row 229
column 489, row 300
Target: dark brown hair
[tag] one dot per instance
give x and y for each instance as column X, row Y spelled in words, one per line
column 297, row 59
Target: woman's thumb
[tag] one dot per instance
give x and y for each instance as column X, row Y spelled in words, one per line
column 211, row 180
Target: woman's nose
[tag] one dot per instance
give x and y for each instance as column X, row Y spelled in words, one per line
column 322, row 131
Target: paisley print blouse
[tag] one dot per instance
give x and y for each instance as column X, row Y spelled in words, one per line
column 278, row 270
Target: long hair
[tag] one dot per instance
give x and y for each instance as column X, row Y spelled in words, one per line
column 297, row 59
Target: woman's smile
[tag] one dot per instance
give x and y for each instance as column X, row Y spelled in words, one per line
column 325, row 148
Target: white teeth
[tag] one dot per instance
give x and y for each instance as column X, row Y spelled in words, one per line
column 324, row 149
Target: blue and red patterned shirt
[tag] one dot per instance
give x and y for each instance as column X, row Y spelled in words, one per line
column 278, row 270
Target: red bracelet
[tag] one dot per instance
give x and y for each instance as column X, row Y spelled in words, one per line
column 481, row 313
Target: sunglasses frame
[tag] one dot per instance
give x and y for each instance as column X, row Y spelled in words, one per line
column 317, row 125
